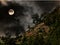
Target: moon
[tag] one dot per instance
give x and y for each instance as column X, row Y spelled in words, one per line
column 11, row 12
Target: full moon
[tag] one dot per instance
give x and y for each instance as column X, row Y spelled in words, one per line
column 11, row 12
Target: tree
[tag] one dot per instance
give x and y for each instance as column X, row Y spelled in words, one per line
column 36, row 19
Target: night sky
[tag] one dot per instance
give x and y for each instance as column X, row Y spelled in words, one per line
column 19, row 22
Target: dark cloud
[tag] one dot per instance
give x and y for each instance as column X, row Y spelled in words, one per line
column 11, row 23
column 47, row 6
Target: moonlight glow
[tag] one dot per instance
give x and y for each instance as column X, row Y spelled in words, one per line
column 11, row 12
